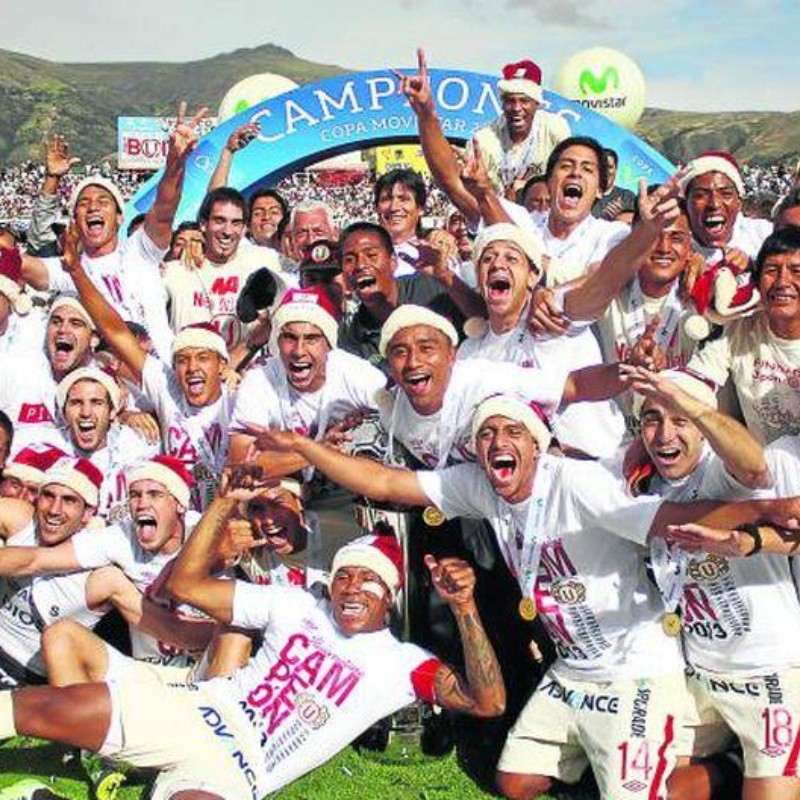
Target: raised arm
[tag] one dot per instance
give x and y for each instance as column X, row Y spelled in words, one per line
column 359, row 475
column 109, row 323
column 191, row 580
column 483, row 693
column 182, row 140
column 58, row 162
column 657, row 211
column 435, row 147
column 15, row 514
column 237, row 141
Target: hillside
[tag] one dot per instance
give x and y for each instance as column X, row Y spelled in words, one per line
column 84, row 100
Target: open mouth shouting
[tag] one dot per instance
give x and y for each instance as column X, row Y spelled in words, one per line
column 417, row 382
column 502, row 470
column 572, row 192
column 715, row 226
column 300, row 371
column 146, row 528
column 63, row 350
column 195, row 385
column 498, row 286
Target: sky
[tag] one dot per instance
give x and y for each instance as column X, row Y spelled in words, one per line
column 699, row 55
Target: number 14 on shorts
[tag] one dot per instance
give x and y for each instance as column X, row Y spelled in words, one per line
column 636, row 766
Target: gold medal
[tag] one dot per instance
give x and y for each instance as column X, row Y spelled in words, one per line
column 527, row 609
column 671, row 623
column 433, row 517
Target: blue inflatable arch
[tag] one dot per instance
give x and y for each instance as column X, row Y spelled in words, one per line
column 364, row 109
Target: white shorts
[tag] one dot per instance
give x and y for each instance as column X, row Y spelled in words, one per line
column 763, row 712
column 181, row 730
column 628, row 731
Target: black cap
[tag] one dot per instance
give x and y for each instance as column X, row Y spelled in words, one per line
column 321, row 256
column 258, row 293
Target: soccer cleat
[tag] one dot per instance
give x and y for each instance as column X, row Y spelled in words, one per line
column 29, row 789
column 106, row 775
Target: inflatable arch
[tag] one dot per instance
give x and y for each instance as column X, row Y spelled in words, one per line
column 364, row 109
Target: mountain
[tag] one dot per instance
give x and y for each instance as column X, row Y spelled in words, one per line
column 83, row 101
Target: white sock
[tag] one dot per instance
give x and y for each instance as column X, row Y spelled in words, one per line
column 7, row 727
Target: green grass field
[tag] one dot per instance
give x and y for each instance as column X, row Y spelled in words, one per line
column 349, row 776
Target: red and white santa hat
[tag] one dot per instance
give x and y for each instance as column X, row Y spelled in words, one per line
column 168, row 471
column 523, row 77
column 408, row 315
column 105, row 379
column 201, row 335
column 74, row 305
column 379, row 552
column 31, row 463
column 529, row 414
column 78, row 474
column 11, row 283
column 103, row 183
column 693, row 383
column 306, row 305
column 713, row 161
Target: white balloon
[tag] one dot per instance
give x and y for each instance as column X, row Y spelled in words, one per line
column 606, row 81
column 251, row 91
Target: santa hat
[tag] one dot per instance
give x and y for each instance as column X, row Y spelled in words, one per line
column 31, row 463
column 527, row 242
column 306, row 305
column 380, row 553
column 691, row 382
column 11, row 282
column 74, row 305
column 529, row 414
column 713, row 161
column 720, row 295
column 524, row 77
column 202, row 335
column 78, row 474
column 105, row 379
column 168, row 471
column 103, row 183
column 407, row 316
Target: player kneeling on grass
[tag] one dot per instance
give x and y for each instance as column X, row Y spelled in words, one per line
column 325, row 671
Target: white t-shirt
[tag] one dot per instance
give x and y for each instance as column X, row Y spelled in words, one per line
column 588, row 244
column 765, row 371
column 28, row 396
column 740, row 615
column 596, row 428
column 446, row 435
column 619, row 330
column 592, row 591
column 130, row 280
column 266, row 397
column 31, row 604
column 309, row 690
column 209, row 293
column 198, row 436
column 748, row 235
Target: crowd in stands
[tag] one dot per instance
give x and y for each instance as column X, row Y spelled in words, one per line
column 566, row 415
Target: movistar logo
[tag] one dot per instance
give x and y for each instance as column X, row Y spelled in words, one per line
column 589, row 82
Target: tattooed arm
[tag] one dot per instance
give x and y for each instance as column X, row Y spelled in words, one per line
column 482, row 693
